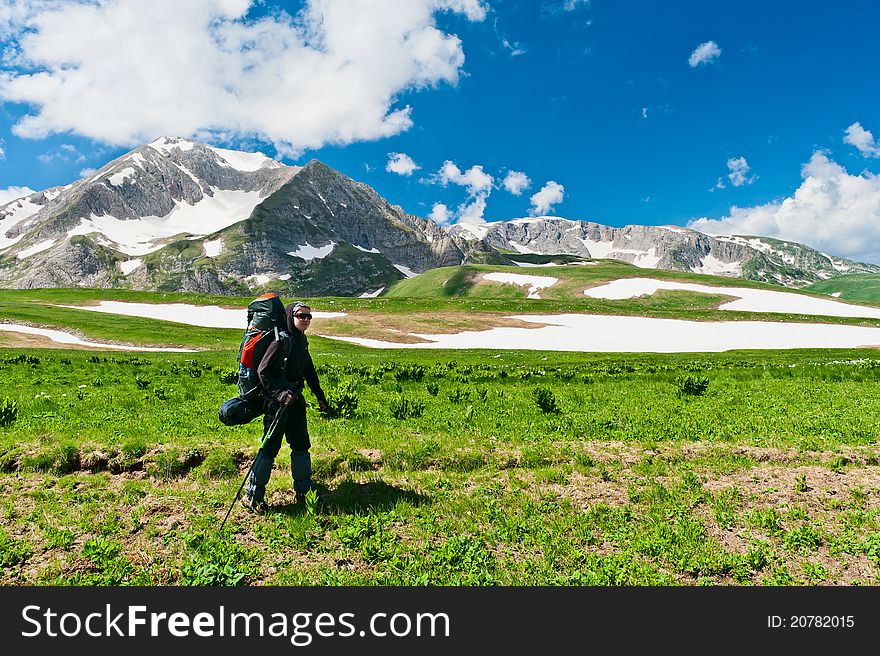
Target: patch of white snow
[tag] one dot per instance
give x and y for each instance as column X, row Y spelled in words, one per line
column 748, row 299
column 308, row 252
column 129, row 265
column 38, row 248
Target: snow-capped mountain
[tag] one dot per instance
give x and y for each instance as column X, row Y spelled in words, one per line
column 666, row 247
column 179, row 215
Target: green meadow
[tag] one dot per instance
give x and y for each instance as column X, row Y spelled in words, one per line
column 859, row 287
column 436, row 467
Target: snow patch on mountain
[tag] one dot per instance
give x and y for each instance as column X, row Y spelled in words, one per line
column 213, row 247
column 715, row 267
column 259, row 279
column 245, row 161
column 598, row 249
column 166, row 145
column 130, row 265
column 118, row 178
column 308, row 252
column 366, row 250
column 409, row 273
column 472, row 232
column 16, row 211
column 37, row 248
column 141, row 236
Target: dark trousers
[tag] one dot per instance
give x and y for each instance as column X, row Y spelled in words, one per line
column 293, row 428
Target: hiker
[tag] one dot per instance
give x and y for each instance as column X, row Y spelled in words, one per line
column 282, row 380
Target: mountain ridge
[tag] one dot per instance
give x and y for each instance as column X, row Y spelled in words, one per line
column 177, row 215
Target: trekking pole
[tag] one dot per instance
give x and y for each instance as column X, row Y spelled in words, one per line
column 269, row 432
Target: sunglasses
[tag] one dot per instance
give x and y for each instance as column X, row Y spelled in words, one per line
column 303, row 316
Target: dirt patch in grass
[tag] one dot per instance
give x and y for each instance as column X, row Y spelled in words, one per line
column 810, row 491
column 400, row 328
column 584, row 492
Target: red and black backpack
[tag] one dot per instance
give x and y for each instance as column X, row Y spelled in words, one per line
column 266, row 322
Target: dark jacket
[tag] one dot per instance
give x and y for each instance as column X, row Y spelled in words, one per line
column 287, row 364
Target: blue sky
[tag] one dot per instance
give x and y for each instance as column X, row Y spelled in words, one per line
column 745, row 117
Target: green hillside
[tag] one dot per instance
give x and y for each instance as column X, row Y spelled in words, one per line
column 861, row 287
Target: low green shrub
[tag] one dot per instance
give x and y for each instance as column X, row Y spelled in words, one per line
column 405, row 408
column 691, row 385
column 8, row 412
column 342, row 401
column 546, row 400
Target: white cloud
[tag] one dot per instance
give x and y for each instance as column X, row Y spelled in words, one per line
column 2, row 149
column 401, row 164
column 516, row 182
column 202, row 68
column 862, row 139
column 478, row 183
column 475, row 10
column 644, row 112
column 739, row 172
column 543, row 201
column 472, row 212
column 86, row 172
column 718, row 185
column 475, row 179
column 11, row 193
column 832, row 211
column 704, row 53
column 440, row 214
column 515, row 49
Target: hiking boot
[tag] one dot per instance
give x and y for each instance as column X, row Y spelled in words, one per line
column 258, row 507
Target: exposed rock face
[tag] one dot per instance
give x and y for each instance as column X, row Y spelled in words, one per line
column 662, row 247
column 179, row 215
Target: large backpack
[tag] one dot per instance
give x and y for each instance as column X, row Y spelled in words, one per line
column 266, row 322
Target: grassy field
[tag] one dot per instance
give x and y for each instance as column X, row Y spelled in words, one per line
column 859, row 287
column 465, row 468
column 441, row 300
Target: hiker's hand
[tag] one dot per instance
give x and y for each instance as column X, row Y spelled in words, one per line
column 323, row 406
column 286, row 397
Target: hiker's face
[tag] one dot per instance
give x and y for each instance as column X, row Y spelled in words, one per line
column 302, row 318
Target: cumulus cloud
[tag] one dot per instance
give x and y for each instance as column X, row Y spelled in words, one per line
column 516, row 182
column 11, row 193
column 543, row 201
column 475, row 179
column 64, row 153
column 472, row 211
column 475, row 10
column 478, row 183
column 704, row 53
column 440, row 214
column 862, row 139
column 401, row 164
column 2, row 149
column 831, row 211
column 86, row 172
column 203, row 68
column 739, row 172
